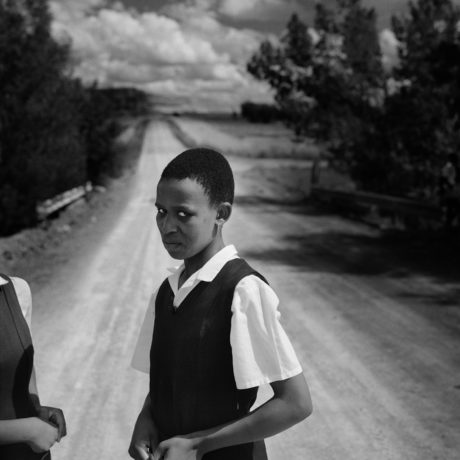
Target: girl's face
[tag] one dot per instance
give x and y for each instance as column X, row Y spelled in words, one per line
column 186, row 219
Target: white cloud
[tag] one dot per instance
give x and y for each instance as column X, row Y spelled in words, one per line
column 71, row 10
column 185, row 50
column 389, row 45
column 238, row 44
column 249, row 9
column 237, row 7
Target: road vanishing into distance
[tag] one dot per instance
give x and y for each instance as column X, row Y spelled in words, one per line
column 379, row 343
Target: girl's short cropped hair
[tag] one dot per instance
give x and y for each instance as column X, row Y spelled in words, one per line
column 209, row 168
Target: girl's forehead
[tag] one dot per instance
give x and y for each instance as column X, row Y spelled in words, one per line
column 183, row 190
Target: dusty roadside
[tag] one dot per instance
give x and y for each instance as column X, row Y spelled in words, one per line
column 374, row 320
column 37, row 253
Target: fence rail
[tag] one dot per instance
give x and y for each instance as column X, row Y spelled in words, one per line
column 400, row 210
column 48, row 208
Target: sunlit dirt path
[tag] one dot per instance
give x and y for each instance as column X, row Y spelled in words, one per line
column 383, row 369
column 86, row 334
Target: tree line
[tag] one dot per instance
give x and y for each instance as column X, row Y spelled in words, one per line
column 390, row 127
column 55, row 133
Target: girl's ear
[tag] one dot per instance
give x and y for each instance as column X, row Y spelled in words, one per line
column 224, row 211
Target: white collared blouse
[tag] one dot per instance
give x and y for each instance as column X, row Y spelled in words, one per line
column 24, row 296
column 261, row 350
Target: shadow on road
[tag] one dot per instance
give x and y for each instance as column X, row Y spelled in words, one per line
column 252, row 200
column 446, row 299
column 334, row 245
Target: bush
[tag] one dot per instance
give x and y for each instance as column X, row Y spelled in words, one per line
column 54, row 133
column 102, row 111
column 390, row 130
column 260, row 113
column 41, row 152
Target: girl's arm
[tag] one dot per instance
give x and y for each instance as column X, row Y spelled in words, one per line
column 49, row 414
column 39, row 435
column 33, row 391
column 290, row 404
column 37, row 432
column 144, row 440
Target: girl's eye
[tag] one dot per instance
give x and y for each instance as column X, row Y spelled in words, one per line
column 161, row 211
column 183, row 214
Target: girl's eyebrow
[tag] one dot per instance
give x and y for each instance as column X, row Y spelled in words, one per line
column 179, row 206
column 183, row 207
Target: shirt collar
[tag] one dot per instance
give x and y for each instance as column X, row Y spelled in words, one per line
column 3, row 280
column 210, row 269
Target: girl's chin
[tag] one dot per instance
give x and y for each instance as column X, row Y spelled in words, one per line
column 175, row 252
column 176, row 256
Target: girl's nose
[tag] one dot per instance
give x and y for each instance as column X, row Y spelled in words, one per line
column 167, row 224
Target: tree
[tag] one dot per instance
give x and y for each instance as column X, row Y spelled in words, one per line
column 429, row 100
column 55, row 134
column 428, row 24
column 326, row 73
column 390, row 141
column 361, row 45
column 41, row 150
column 297, row 42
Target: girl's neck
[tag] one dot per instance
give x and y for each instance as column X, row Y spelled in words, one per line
column 194, row 263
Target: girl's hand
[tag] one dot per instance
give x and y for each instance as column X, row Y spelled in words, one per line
column 144, row 438
column 177, row 448
column 42, row 435
column 56, row 417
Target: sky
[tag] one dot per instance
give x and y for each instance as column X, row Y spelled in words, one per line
column 190, row 54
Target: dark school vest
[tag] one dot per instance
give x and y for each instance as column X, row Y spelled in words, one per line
column 192, row 385
column 16, row 363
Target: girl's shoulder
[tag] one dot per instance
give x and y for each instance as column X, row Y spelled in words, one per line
column 24, row 295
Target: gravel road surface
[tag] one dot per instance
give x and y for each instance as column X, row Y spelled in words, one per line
column 379, row 343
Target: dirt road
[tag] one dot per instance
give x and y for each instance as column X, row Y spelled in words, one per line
column 379, row 348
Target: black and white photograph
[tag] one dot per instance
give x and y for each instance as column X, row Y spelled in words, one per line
column 230, row 229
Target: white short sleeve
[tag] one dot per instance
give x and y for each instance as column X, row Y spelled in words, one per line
column 262, row 352
column 141, row 356
column 24, row 297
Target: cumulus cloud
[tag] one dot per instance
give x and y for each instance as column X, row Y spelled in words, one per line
column 183, row 49
column 199, row 20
